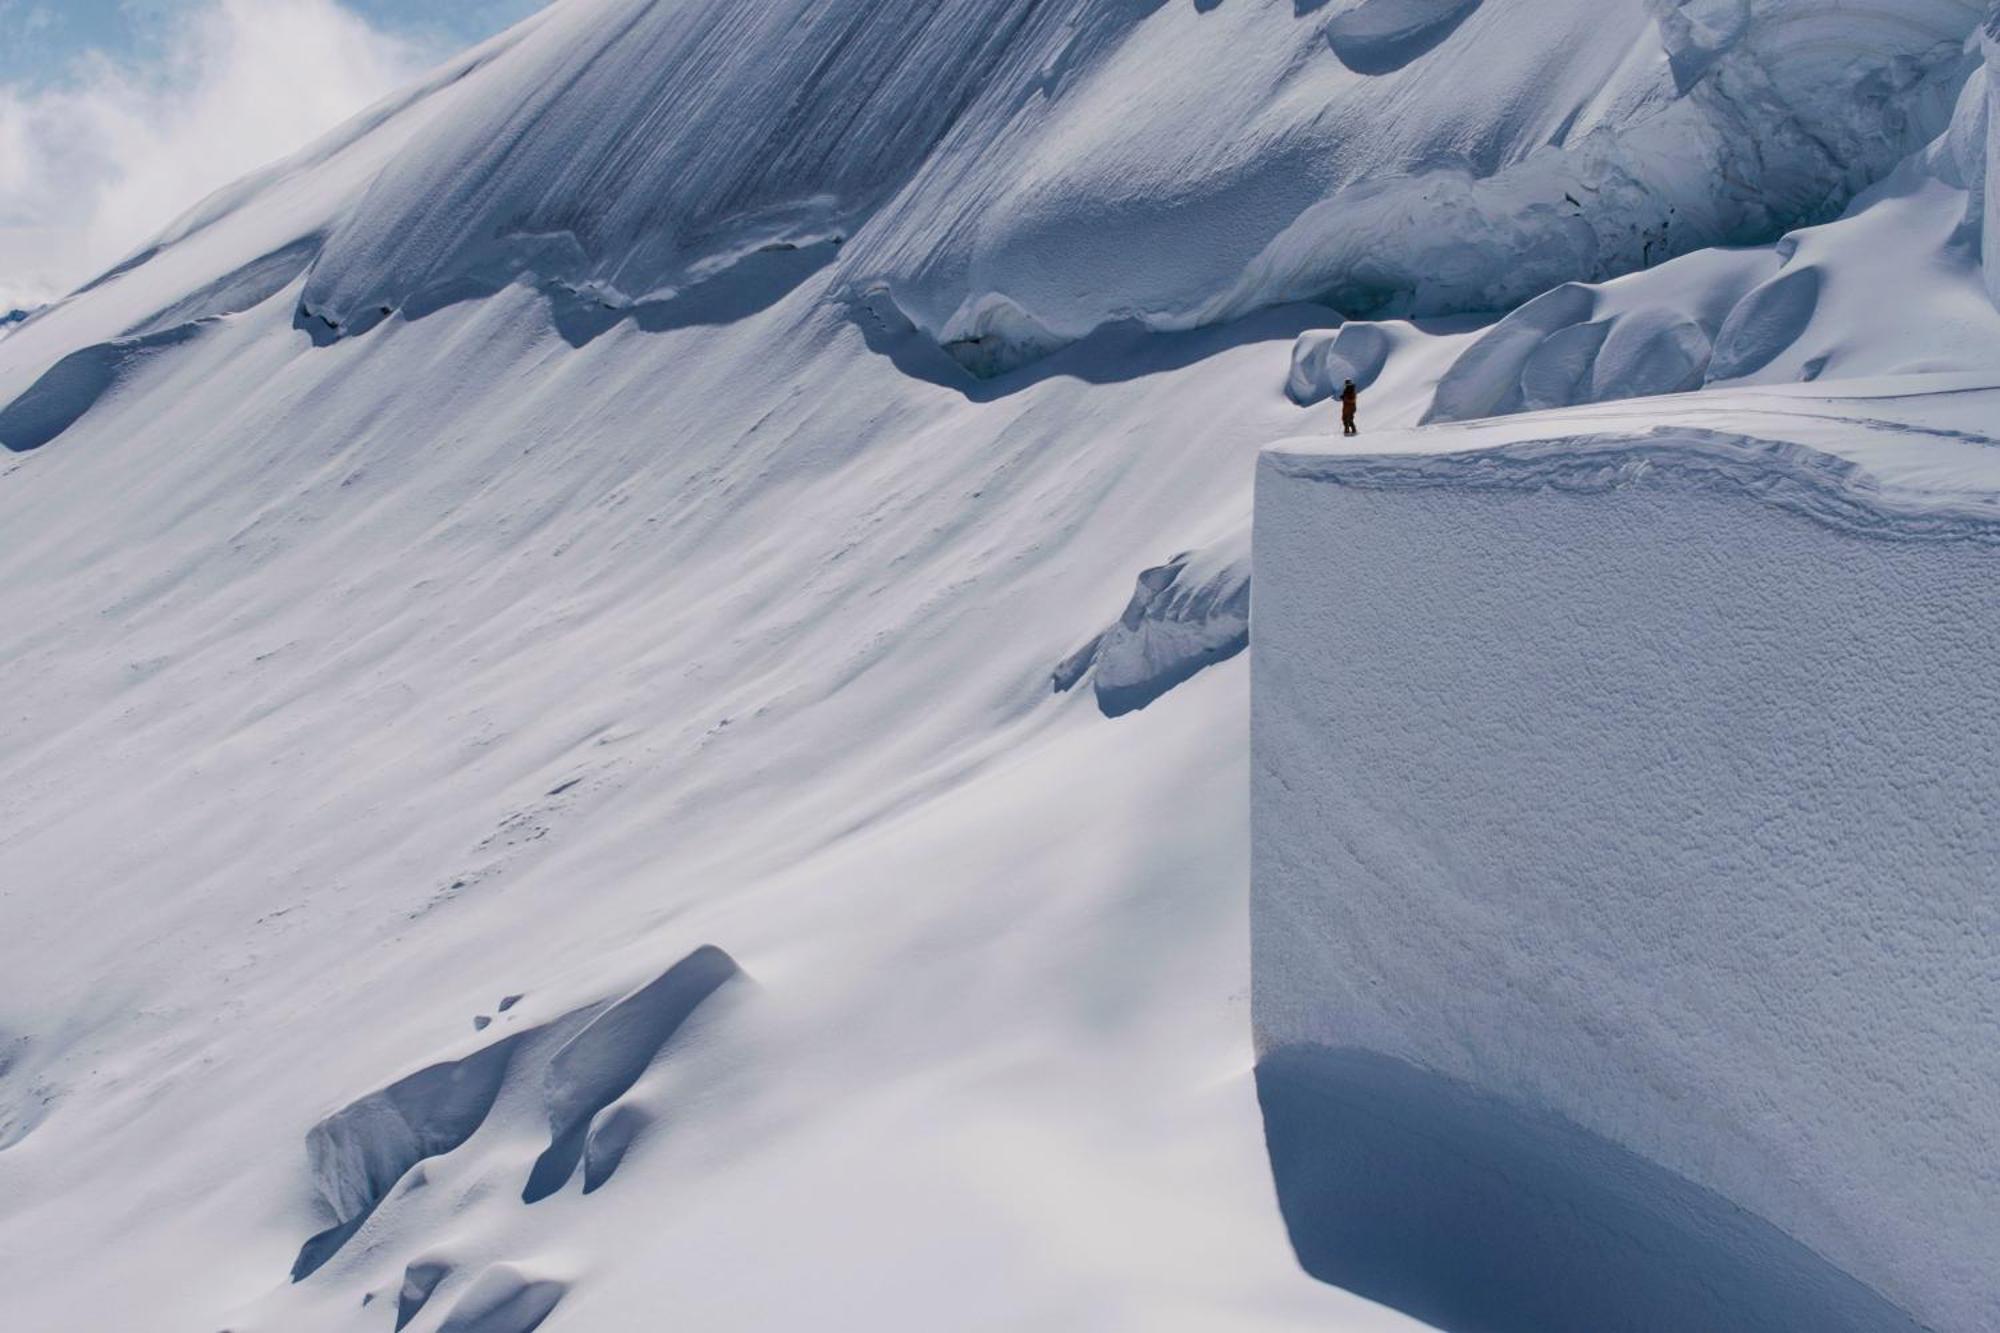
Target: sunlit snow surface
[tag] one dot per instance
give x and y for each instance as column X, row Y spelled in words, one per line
column 536, row 796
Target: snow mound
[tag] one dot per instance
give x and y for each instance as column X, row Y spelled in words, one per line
column 1184, row 616
column 71, row 387
column 1614, row 794
column 504, row 1299
column 586, row 1061
column 359, row 1153
column 1323, row 360
column 600, row 1064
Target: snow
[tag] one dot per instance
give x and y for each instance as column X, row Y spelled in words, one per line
column 1185, row 616
column 1014, row 176
column 537, row 793
column 1893, row 286
column 1971, row 123
column 1620, row 764
column 355, row 687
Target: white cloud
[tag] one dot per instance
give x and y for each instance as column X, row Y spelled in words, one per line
column 105, row 157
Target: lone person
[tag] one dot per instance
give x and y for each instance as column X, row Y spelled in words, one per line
column 1348, row 396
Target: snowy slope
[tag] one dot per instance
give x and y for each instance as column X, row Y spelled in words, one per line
column 538, row 797
column 1013, row 175
column 377, row 682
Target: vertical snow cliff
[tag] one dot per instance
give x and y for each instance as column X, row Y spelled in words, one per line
column 1624, row 918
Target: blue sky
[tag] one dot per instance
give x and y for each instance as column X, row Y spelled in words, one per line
column 118, row 115
column 41, row 39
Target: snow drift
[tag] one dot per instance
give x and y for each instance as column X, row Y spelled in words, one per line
column 1616, row 801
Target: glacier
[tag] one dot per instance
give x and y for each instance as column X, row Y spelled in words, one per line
column 629, row 683
column 1012, row 176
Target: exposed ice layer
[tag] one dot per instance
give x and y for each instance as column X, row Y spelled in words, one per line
column 1184, row 616
column 1634, row 176
column 1636, row 779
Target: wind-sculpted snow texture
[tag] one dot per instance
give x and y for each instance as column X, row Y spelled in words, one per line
column 1617, row 793
column 1014, row 174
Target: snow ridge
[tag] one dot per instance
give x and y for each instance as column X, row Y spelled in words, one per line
column 1781, row 473
column 1013, row 176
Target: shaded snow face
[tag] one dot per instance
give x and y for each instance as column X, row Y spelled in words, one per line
column 1474, row 1212
column 1979, row 128
column 1184, row 617
column 371, row 1152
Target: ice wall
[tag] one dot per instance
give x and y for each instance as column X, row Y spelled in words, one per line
column 1625, row 844
column 1990, row 177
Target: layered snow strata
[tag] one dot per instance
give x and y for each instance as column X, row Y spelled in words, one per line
column 1624, row 850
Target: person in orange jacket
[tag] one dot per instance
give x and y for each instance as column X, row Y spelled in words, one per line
column 1349, row 395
